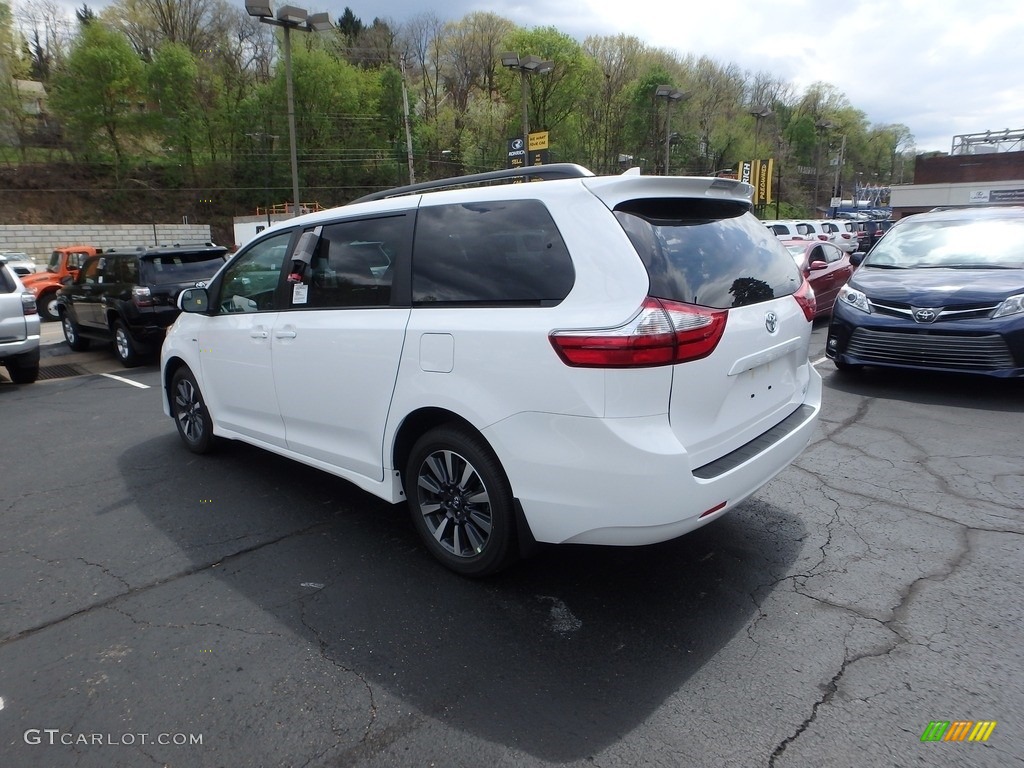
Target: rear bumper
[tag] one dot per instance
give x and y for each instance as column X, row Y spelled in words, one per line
column 629, row 481
column 26, row 350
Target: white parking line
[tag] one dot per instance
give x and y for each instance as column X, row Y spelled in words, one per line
column 819, row 361
column 123, row 380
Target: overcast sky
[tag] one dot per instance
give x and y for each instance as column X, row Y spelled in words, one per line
column 940, row 67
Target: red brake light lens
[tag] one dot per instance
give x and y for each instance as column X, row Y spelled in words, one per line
column 142, row 296
column 28, row 304
column 662, row 333
column 805, row 298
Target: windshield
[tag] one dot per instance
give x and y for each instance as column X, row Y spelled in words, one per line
column 54, row 262
column 953, row 244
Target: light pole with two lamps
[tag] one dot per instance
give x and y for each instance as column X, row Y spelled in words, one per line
column 759, row 113
column 821, row 127
column 670, row 95
column 526, row 65
column 290, row 17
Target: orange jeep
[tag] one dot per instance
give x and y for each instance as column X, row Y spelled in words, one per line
column 64, row 264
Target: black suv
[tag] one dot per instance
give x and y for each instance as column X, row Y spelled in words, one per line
column 129, row 297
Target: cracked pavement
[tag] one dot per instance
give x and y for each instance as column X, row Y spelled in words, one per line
column 292, row 620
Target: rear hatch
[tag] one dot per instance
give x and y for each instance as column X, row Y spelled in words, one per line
column 166, row 275
column 703, row 249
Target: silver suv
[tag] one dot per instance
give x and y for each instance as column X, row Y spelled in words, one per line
column 596, row 360
column 19, row 328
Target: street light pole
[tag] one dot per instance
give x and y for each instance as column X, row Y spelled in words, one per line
column 526, row 65
column 821, row 126
column 670, row 95
column 839, row 166
column 759, row 113
column 290, row 17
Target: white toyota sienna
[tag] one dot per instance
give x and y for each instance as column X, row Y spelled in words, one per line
column 604, row 360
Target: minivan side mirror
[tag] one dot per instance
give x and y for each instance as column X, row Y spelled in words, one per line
column 857, row 258
column 193, row 300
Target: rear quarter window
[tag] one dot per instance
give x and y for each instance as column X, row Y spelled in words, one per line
column 492, row 253
column 711, row 253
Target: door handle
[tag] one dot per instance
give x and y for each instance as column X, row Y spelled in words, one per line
column 284, row 334
column 259, row 333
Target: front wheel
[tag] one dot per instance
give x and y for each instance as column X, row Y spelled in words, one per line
column 461, row 501
column 47, row 304
column 189, row 411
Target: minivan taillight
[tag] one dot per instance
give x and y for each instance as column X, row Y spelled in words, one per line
column 142, row 296
column 662, row 333
column 805, row 298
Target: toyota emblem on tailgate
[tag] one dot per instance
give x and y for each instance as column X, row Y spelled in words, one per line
column 771, row 321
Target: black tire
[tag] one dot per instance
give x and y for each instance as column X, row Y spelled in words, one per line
column 191, row 416
column 72, row 335
column 24, row 369
column 47, row 304
column 461, row 502
column 124, row 346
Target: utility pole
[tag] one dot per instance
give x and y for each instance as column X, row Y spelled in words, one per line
column 405, row 117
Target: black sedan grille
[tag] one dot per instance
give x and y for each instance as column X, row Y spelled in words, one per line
column 931, row 350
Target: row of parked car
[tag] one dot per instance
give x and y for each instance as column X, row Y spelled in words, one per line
column 463, row 351
column 849, row 235
column 127, row 297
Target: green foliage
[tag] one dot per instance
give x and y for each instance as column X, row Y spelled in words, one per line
column 172, row 78
column 98, row 94
column 196, row 84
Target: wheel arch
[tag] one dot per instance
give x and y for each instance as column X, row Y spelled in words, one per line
column 170, row 368
column 417, row 424
column 421, row 421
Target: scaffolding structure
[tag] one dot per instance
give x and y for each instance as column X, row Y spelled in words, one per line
column 988, row 142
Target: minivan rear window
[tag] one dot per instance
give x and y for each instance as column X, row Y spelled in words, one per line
column 708, row 252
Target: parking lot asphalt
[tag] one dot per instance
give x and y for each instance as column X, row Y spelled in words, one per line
column 247, row 610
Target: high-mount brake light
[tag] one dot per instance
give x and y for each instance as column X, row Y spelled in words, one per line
column 662, row 333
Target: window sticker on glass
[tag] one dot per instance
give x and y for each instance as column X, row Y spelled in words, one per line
column 300, row 293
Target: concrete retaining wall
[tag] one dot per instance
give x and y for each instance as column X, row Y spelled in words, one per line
column 39, row 240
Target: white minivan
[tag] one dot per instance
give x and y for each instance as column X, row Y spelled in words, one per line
column 598, row 360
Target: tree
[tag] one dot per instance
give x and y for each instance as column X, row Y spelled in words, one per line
column 617, row 63
column 85, row 15
column 199, row 25
column 97, row 94
column 172, row 78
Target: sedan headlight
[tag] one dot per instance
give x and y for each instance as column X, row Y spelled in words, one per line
column 851, row 297
column 1011, row 306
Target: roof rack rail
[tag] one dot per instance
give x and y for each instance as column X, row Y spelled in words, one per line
column 548, row 172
